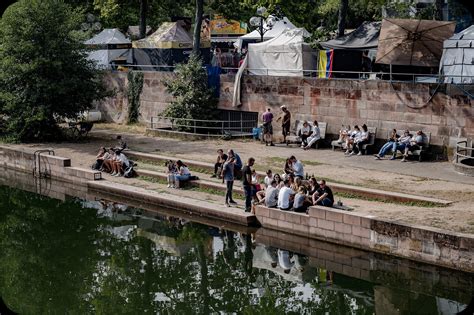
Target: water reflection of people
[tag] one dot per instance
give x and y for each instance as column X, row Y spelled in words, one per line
column 284, row 260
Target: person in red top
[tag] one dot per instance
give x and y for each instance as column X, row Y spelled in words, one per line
column 267, row 119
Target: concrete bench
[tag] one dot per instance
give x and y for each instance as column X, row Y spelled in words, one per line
column 365, row 147
column 294, row 138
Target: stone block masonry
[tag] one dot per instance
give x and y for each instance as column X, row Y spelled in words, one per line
column 420, row 243
column 447, row 116
column 54, row 166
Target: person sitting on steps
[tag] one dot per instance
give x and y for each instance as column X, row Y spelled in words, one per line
column 221, row 158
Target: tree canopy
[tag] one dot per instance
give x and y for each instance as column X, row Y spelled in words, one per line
column 44, row 73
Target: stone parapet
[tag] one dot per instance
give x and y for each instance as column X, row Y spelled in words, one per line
column 421, row 243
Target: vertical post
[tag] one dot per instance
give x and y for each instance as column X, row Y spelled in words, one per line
column 151, row 122
column 261, row 29
column 241, row 122
column 222, row 131
column 194, row 122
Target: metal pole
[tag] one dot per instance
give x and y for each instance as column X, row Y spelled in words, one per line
column 261, row 29
column 241, row 123
column 194, row 126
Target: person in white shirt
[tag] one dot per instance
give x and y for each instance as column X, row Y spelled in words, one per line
column 297, row 166
column 361, row 139
column 183, row 174
column 304, row 132
column 415, row 143
column 284, row 260
column 119, row 164
column 268, row 179
column 350, row 140
column 402, row 143
column 271, row 195
column 315, row 136
column 285, row 197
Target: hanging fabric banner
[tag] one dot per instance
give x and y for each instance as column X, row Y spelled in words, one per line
column 325, row 63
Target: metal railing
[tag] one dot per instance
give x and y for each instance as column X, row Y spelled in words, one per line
column 461, row 146
column 335, row 75
column 199, row 126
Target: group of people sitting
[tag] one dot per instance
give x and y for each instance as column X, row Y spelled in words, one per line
column 113, row 160
column 291, row 191
column 353, row 140
column 309, row 134
column 177, row 172
column 404, row 143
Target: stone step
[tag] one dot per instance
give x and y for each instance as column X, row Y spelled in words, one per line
column 336, row 187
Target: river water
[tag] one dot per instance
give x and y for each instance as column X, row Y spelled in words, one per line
column 79, row 256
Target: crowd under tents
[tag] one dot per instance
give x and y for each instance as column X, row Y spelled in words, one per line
column 169, row 45
column 109, row 47
column 457, row 61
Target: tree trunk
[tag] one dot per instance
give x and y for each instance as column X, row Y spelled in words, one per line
column 143, row 12
column 197, row 27
column 341, row 21
column 439, row 10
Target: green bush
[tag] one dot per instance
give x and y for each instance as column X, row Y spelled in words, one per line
column 192, row 97
column 44, row 73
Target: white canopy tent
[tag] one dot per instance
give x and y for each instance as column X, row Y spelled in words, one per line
column 284, row 55
column 457, row 62
column 108, row 46
column 279, row 27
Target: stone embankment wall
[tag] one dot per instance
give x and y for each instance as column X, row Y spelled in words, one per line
column 436, row 246
column 51, row 165
column 448, row 115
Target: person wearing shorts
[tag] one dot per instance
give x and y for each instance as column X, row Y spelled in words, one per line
column 286, row 122
column 267, row 119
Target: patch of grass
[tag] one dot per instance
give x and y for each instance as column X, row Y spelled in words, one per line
column 133, row 128
column 153, row 179
column 424, row 204
column 213, row 191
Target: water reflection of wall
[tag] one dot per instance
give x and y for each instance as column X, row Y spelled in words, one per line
column 391, row 274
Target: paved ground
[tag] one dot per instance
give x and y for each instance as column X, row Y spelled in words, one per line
column 435, row 179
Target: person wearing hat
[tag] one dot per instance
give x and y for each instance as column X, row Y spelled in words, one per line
column 285, row 122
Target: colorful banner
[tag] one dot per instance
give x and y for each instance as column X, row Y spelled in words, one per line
column 222, row 26
column 326, row 58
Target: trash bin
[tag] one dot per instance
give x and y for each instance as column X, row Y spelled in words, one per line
column 256, row 132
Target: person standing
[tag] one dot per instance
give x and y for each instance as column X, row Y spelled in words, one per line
column 228, row 177
column 285, row 122
column 247, row 183
column 267, row 119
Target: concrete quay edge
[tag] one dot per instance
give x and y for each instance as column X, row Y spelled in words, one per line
column 350, row 189
column 188, row 205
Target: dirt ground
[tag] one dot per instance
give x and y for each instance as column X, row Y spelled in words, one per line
column 433, row 179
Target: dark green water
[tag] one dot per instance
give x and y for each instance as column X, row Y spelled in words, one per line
column 82, row 257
